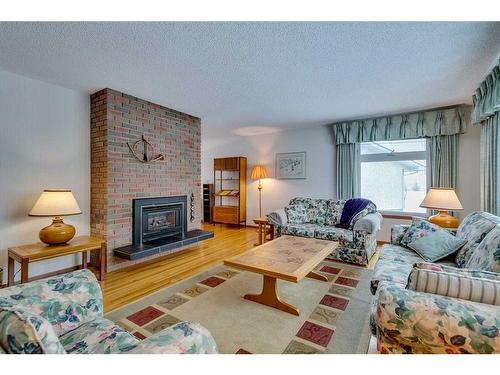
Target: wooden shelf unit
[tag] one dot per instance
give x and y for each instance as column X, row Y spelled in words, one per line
column 230, row 174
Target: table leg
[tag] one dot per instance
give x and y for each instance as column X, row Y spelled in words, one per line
column 259, row 235
column 102, row 260
column 84, row 260
column 317, row 276
column 269, row 296
column 10, row 280
column 24, row 271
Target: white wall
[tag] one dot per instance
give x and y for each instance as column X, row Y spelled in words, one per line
column 320, row 182
column 45, row 143
column 261, row 149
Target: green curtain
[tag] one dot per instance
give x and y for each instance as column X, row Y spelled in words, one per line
column 424, row 124
column 489, row 164
column 487, row 97
column 486, row 110
column 443, row 156
column 348, row 170
column 442, row 126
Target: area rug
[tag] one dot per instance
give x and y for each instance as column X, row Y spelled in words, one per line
column 333, row 317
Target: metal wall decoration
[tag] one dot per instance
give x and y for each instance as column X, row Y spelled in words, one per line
column 191, row 208
column 144, row 151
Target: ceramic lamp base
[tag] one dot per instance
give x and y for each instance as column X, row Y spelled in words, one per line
column 57, row 233
column 444, row 220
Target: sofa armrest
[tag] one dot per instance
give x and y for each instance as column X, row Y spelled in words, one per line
column 278, row 217
column 397, row 233
column 66, row 301
column 181, row 338
column 370, row 223
column 413, row 322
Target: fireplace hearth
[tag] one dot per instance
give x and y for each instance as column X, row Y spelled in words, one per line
column 159, row 225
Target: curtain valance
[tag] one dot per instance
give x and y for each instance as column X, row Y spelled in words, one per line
column 486, row 99
column 430, row 123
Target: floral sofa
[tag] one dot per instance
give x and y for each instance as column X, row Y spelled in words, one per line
column 64, row 314
column 309, row 217
column 409, row 321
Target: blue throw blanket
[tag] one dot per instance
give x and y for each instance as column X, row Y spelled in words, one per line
column 351, row 208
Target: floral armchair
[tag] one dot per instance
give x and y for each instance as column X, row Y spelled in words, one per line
column 64, row 314
column 456, row 307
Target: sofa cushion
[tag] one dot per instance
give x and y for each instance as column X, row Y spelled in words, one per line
column 418, row 228
column 474, row 228
column 333, row 234
column 334, row 211
column 307, row 210
column 486, row 256
column 394, row 265
column 98, row 336
column 297, row 213
column 25, row 332
column 301, row 230
column 436, row 245
column 316, row 213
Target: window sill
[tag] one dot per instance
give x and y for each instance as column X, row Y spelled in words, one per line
column 402, row 215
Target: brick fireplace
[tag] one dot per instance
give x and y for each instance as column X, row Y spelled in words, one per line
column 117, row 177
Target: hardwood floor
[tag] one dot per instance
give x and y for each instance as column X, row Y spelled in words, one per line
column 126, row 285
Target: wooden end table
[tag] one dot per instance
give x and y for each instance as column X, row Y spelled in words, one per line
column 39, row 251
column 263, row 229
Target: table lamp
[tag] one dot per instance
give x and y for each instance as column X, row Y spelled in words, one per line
column 443, row 200
column 56, row 203
column 259, row 172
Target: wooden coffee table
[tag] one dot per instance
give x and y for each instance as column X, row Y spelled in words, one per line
column 287, row 258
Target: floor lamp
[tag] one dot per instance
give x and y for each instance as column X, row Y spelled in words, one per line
column 258, row 173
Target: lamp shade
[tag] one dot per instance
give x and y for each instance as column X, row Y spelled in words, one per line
column 441, row 199
column 258, row 172
column 55, row 202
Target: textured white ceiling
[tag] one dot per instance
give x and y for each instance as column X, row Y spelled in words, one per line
column 243, row 78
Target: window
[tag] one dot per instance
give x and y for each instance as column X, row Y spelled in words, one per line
column 394, row 174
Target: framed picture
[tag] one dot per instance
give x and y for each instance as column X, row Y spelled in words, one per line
column 291, row 165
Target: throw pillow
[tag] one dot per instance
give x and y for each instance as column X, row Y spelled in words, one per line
column 458, row 271
column 418, row 228
column 486, row 256
column 450, row 284
column 473, row 228
column 436, row 245
column 297, row 213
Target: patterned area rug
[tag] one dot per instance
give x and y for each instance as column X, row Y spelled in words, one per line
column 334, row 315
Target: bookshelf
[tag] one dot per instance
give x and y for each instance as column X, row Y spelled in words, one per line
column 230, row 178
column 208, row 202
